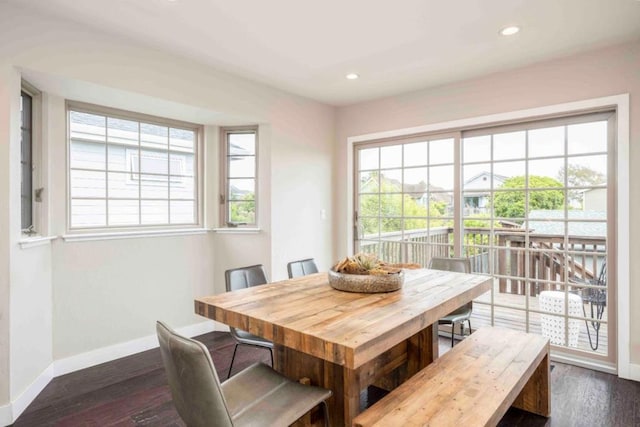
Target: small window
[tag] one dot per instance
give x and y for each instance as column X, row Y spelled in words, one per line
column 26, row 162
column 238, row 198
column 131, row 171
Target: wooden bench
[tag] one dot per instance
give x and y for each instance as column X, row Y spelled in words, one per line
column 473, row 384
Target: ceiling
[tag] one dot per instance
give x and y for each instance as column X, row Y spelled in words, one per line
column 307, row 48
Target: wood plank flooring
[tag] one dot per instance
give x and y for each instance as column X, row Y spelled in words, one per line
column 132, row 391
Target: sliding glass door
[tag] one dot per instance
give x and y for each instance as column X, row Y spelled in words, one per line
column 529, row 203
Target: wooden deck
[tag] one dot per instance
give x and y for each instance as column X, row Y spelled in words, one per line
column 515, row 318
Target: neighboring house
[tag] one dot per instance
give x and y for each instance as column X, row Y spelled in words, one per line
column 477, row 195
column 595, row 199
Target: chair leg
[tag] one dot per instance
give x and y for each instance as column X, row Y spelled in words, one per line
column 232, row 359
column 470, row 331
column 453, row 330
column 271, row 354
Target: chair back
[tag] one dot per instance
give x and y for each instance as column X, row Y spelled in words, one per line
column 244, row 277
column 301, row 268
column 241, row 278
column 193, row 380
column 458, row 265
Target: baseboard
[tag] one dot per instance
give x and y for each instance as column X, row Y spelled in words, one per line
column 21, row 402
column 5, row 415
column 116, row 351
column 634, row 372
column 584, row 363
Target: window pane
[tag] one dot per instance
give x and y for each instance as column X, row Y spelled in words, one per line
column 87, row 155
column 121, row 158
column 154, row 136
column 122, row 132
column 415, row 179
column 124, row 212
column 154, row 162
column 369, row 182
column 391, row 157
column 87, row 126
column 546, row 142
column 476, row 177
column 182, row 164
column 88, row 213
column 416, row 154
column 509, row 145
column 369, row 158
column 242, row 167
column 587, row 137
column 182, row 140
column 124, row 185
column 369, row 205
column 243, row 144
column 182, row 188
column 441, row 151
column 154, row 187
column 476, row 149
column 391, row 181
column 183, row 212
column 552, row 170
column 155, row 212
column 87, row 184
column 241, row 189
column 441, row 177
column 242, row 212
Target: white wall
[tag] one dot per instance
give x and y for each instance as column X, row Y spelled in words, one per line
column 595, row 74
column 104, row 294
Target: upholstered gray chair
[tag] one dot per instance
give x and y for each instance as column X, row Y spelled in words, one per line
column 301, row 268
column 462, row 314
column 257, row 396
column 241, row 278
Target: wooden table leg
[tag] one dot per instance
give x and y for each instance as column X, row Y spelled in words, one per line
column 390, row 369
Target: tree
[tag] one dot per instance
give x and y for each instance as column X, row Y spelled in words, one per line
column 511, row 204
column 389, row 207
column 580, row 176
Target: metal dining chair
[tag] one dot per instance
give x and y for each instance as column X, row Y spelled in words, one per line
column 462, row 314
column 257, row 396
column 301, row 268
column 241, row 278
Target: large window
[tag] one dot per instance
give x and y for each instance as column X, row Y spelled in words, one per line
column 238, row 197
column 127, row 170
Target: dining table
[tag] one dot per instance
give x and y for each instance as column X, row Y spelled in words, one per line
column 347, row 341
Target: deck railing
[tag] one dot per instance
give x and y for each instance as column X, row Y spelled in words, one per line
column 548, row 267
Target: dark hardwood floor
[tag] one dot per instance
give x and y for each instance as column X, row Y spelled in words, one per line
column 132, row 391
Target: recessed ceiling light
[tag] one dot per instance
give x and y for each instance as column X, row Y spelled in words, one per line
column 509, row 31
column 352, row 76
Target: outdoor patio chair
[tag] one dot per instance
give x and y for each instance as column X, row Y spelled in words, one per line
column 241, row 278
column 301, row 268
column 597, row 299
column 257, row 396
column 462, row 314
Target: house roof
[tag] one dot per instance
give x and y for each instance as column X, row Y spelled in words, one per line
column 550, row 222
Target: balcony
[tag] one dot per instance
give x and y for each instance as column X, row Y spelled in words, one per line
column 523, row 264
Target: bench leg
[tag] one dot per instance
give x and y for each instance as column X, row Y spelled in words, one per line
column 535, row 397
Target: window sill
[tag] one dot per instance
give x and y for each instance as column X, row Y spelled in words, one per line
column 131, row 234
column 32, row 242
column 238, row 230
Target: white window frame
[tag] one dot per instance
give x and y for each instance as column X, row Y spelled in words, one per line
column 132, row 230
column 224, row 177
